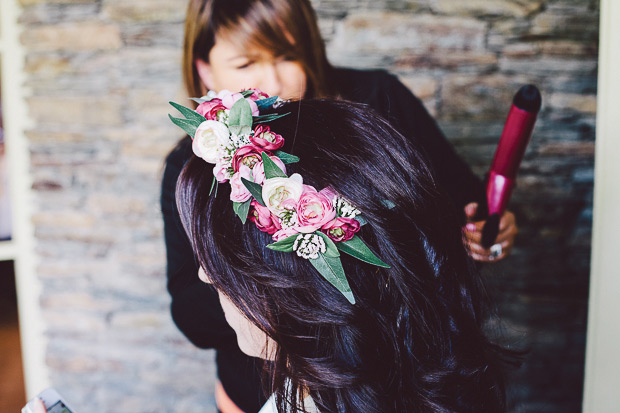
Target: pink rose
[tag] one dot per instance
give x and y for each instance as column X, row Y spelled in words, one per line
column 229, row 99
column 341, row 229
column 329, row 193
column 238, row 191
column 248, row 155
column 265, row 138
column 257, row 94
column 258, row 172
column 211, row 108
column 314, row 210
column 263, row 219
column 284, row 233
column 220, row 172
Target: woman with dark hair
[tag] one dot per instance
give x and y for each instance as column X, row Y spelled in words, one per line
column 275, row 45
column 412, row 342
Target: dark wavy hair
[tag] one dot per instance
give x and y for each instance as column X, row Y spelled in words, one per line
column 413, row 341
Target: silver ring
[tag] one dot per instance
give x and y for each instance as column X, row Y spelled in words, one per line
column 496, row 251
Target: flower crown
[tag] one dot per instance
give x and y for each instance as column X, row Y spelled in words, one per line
column 228, row 130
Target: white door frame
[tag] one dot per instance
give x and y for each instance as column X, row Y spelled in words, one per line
column 21, row 247
column 602, row 375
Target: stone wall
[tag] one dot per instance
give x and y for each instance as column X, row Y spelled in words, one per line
column 99, row 76
column 466, row 59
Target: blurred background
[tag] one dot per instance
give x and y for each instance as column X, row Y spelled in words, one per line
column 85, row 86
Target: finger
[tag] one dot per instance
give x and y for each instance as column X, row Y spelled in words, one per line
column 473, row 230
column 480, row 250
column 489, row 258
column 508, row 234
column 472, row 237
column 470, row 209
column 505, row 237
column 507, row 219
column 480, row 258
column 38, row 406
column 474, row 226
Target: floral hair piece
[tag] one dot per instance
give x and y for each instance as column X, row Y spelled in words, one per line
column 227, row 130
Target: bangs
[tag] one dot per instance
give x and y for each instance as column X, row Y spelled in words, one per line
column 264, row 28
column 261, row 28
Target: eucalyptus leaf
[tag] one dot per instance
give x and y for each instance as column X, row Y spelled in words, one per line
column 268, row 118
column 331, row 269
column 213, row 184
column 356, row 248
column 271, row 169
column 240, row 114
column 184, row 124
column 388, row 204
column 242, row 209
column 255, row 189
column 330, row 248
column 363, row 221
column 266, row 103
column 199, row 100
column 189, row 114
column 240, row 130
column 284, row 245
column 286, row 158
column 246, row 93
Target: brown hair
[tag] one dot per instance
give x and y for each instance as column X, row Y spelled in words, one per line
column 280, row 27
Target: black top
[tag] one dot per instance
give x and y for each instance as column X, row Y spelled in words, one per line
column 195, row 306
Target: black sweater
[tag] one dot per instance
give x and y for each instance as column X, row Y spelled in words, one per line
column 195, row 305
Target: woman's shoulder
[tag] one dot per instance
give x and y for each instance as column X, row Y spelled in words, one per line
column 174, row 163
column 181, row 152
column 366, row 86
column 383, row 92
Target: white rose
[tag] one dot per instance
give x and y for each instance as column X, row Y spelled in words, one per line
column 207, row 139
column 280, row 194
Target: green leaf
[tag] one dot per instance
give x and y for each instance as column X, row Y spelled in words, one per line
column 286, row 158
column 356, row 248
column 246, row 93
column 271, row 169
column 266, row 103
column 240, row 130
column 388, row 204
column 242, row 209
column 213, row 184
column 186, row 125
column 268, row 118
column 363, row 221
column 199, row 100
column 331, row 249
column 240, row 114
column 255, row 189
column 189, row 114
column 284, row 245
column 331, row 269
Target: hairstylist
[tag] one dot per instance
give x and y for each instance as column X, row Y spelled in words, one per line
column 275, row 45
